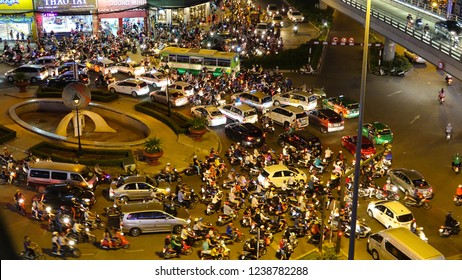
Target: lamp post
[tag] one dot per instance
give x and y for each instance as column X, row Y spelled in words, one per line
column 167, row 71
column 76, row 100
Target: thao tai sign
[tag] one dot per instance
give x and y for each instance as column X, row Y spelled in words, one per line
column 66, row 5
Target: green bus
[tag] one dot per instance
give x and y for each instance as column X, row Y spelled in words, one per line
column 194, row 60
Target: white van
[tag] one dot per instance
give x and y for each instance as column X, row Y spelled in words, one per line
column 44, row 173
column 400, row 244
column 287, row 115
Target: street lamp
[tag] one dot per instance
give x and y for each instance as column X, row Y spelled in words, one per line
column 167, row 71
column 76, row 99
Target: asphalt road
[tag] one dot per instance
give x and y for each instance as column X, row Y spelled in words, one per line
column 408, row 105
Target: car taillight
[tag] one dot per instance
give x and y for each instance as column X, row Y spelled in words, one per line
column 329, row 124
column 249, row 138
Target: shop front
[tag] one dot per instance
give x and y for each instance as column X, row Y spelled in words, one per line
column 117, row 16
column 178, row 11
column 16, row 19
column 64, row 16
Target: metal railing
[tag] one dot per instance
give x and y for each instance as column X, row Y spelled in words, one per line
column 400, row 24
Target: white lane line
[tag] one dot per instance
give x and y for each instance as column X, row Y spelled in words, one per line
column 396, row 92
column 415, row 118
column 134, row 251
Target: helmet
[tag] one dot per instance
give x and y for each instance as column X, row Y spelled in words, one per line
column 207, row 236
column 460, row 186
column 388, row 181
column 168, row 163
column 195, row 156
column 450, row 213
column 167, row 237
column 196, row 220
column 55, row 233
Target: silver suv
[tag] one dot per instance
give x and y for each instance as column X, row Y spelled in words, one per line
column 32, row 72
column 409, row 181
column 135, row 188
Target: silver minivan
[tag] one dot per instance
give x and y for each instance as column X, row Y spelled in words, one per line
column 44, row 173
column 32, row 72
column 138, row 218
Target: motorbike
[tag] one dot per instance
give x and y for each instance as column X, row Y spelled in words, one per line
column 262, row 250
column 446, row 231
column 164, row 177
column 295, row 29
column 418, row 23
column 456, row 168
column 224, row 219
column 390, row 195
column 306, row 70
column 410, row 201
column 68, row 250
column 441, row 98
column 83, row 235
column 168, row 253
column 246, row 255
column 448, row 80
column 362, row 229
column 190, row 170
column 238, row 237
column 457, row 200
column 419, row 232
column 448, row 135
column 21, row 206
column 103, row 177
column 117, row 242
column 207, row 255
column 396, row 72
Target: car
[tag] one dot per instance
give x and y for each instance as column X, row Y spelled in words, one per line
column 413, row 57
column 278, row 173
column 451, row 29
column 211, row 113
column 247, row 134
column 69, row 66
column 295, row 16
column 326, row 120
column 67, row 78
column 134, row 87
column 59, row 195
column 301, row 140
column 287, row 115
column 277, row 21
column 175, row 97
column 367, row 147
column 391, row 214
column 131, row 68
column 101, row 65
column 155, row 77
column 241, row 113
column 410, row 182
column 33, row 73
column 136, row 187
column 344, row 106
column 257, row 99
column 261, row 28
column 378, row 132
column 272, row 9
column 184, row 87
column 47, row 61
column 301, row 99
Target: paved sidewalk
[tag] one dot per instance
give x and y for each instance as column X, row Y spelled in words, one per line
column 178, row 149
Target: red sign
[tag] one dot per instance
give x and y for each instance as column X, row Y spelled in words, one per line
column 351, row 40
column 343, row 40
column 335, row 39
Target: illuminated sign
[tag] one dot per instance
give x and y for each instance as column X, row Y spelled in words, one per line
column 116, row 5
column 59, row 5
column 9, row 2
column 16, row 5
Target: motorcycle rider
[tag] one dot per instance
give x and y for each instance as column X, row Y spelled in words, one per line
column 441, row 95
column 456, row 161
column 227, row 210
column 459, row 192
column 387, row 188
column 30, row 248
column 449, row 220
column 176, row 244
column 186, row 235
column 37, row 207
column 168, row 172
column 251, row 246
column 448, row 79
column 197, row 165
column 18, row 196
column 449, row 129
column 216, row 200
column 318, row 164
column 55, row 244
column 230, row 231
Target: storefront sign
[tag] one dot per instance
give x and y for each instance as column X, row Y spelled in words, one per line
column 16, row 18
column 117, row 5
column 16, row 5
column 65, row 5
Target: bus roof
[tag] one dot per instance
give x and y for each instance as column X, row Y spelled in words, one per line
column 198, row 52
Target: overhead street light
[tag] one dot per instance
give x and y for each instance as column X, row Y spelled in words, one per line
column 76, row 99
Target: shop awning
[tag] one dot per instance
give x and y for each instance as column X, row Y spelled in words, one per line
column 170, row 4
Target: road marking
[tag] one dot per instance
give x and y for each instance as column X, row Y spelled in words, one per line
column 89, row 254
column 134, row 251
column 415, row 118
column 396, row 92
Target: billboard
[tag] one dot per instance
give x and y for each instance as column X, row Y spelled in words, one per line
column 25, row 5
column 64, row 5
column 117, row 5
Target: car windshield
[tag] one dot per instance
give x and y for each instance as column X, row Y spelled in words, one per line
column 215, row 113
column 176, row 95
column 367, row 145
column 353, row 106
column 295, row 13
column 264, row 173
column 405, row 218
column 249, row 113
column 385, row 131
column 266, row 99
column 453, row 25
column 87, row 174
column 294, row 170
column 420, row 183
column 300, row 115
column 135, row 64
column 143, row 84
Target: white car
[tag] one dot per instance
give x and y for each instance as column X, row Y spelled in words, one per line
column 302, row 99
column 184, row 87
column 278, row 173
column 131, row 68
column 278, row 20
column 272, row 9
column 241, row 113
column 295, row 16
column 287, row 115
column 134, row 87
column 157, row 78
column 257, row 99
column 414, row 57
column 211, row 113
column 391, row 214
column 261, row 28
column 176, row 98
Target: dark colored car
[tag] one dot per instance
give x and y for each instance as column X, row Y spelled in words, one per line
column 367, row 147
column 67, row 78
column 69, row 66
column 301, row 140
column 248, row 134
column 450, row 29
column 56, row 196
column 326, row 120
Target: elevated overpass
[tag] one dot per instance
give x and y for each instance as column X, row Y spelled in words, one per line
column 388, row 18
